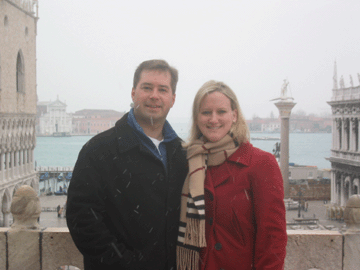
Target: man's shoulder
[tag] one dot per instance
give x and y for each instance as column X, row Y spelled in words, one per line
column 107, row 138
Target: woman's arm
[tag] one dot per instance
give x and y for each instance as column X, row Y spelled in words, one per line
column 270, row 215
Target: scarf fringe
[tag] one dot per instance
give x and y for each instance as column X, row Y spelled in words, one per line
column 189, row 259
column 195, row 232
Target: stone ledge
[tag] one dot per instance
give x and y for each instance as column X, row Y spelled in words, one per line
column 305, row 249
column 314, row 249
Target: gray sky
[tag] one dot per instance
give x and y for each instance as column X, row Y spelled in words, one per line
column 87, row 51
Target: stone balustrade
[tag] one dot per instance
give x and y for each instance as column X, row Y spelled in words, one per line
column 28, row 247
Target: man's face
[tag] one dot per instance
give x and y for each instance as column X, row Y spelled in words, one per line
column 152, row 97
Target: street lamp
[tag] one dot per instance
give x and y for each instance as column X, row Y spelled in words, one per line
column 299, row 206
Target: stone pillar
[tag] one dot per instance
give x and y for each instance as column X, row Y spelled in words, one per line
column 2, row 167
column 6, row 165
column 352, row 234
column 338, row 132
column 343, row 134
column 16, row 164
column 358, row 125
column 333, row 187
column 342, row 191
column 285, row 108
column 335, row 134
column 12, row 164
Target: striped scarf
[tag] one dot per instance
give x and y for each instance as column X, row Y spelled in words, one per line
column 191, row 235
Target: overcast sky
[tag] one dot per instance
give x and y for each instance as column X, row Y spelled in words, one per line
column 87, row 51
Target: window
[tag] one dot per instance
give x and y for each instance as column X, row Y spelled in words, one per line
column 20, row 74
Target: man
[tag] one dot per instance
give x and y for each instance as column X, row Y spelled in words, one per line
column 124, row 195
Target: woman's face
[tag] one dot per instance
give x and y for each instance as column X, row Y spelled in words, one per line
column 215, row 116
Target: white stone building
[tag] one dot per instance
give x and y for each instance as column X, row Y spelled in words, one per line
column 345, row 150
column 53, row 118
column 18, row 24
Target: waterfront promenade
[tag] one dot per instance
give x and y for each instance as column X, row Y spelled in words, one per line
column 317, row 208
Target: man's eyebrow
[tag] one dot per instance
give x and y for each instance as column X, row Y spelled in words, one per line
column 150, row 84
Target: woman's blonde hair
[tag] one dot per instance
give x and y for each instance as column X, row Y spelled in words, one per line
column 239, row 129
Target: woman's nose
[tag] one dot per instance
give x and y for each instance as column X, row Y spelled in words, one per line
column 213, row 118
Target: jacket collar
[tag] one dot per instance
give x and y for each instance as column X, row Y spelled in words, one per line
column 125, row 135
column 127, row 139
column 242, row 155
column 168, row 132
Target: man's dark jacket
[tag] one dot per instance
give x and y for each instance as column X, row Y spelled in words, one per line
column 123, row 206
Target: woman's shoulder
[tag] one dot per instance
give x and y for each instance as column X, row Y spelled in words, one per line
column 250, row 155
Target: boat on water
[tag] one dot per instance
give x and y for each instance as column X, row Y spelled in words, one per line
column 266, row 138
column 61, row 134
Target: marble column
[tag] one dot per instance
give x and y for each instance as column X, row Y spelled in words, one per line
column 351, row 136
column 2, row 167
column 285, row 108
column 333, row 187
column 343, row 135
column 358, row 126
column 334, row 133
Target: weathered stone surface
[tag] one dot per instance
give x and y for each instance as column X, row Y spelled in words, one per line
column 352, row 235
column 59, row 249
column 23, row 247
column 3, row 247
column 351, row 251
column 314, row 249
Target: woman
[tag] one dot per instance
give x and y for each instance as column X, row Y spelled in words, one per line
column 232, row 208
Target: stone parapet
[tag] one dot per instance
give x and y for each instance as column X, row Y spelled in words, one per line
column 26, row 246
column 53, row 247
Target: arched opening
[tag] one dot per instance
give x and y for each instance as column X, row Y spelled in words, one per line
column 20, row 73
column 356, row 186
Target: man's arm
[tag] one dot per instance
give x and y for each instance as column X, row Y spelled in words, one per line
column 85, row 216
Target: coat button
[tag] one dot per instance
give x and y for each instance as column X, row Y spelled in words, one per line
column 211, row 221
column 218, row 246
column 211, row 197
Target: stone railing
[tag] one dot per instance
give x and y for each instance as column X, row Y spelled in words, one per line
column 28, row 247
column 349, row 93
column 349, row 155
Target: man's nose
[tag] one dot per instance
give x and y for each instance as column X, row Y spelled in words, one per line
column 154, row 94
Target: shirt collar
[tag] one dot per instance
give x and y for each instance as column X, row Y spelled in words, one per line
column 168, row 132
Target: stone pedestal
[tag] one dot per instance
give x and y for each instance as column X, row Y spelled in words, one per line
column 285, row 107
column 23, row 237
column 352, row 234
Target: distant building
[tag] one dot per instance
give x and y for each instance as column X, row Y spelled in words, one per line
column 345, row 149
column 273, row 126
column 18, row 29
column 314, row 184
column 52, row 118
column 299, row 123
column 94, row 121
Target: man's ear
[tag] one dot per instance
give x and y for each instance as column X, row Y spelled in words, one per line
column 133, row 94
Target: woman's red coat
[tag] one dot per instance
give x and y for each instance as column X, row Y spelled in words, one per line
column 245, row 213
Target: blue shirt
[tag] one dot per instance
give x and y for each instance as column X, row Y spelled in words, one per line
column 168, row 133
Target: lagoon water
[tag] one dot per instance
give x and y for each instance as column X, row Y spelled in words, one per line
column 305, row 148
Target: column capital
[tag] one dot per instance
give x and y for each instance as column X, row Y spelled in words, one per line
column 285, row 108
